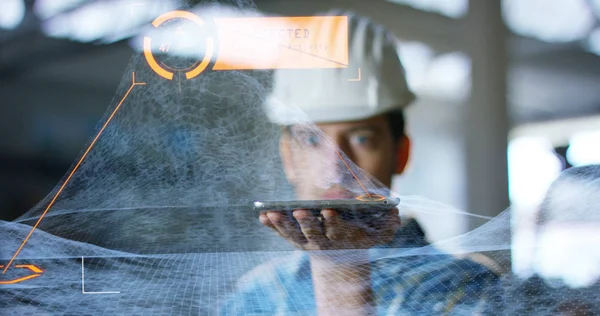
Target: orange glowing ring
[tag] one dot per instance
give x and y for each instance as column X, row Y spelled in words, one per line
column 148, row 46
column 372, row 198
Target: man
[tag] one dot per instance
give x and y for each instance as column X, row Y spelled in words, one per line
column 340, row 272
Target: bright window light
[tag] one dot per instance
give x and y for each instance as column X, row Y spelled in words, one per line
column 93, row 21
column 11, row 14
column 569, row 251
column 596, row 6
column 445, row 76
column 45, row 9
column 449, row 76
column 105, row 21
column 87, row 23
column 451, row 8
column 584, row 148
column 593, row 42
column 416, row 58
column 532, row 166
column 549, row 20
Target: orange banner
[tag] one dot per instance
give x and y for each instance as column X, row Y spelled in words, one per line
column 282, row 42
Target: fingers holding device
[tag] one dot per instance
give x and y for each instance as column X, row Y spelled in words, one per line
column 332, row 224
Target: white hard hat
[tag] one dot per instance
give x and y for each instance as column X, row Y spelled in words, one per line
column 327, row 94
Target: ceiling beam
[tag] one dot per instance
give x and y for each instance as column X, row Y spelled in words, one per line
column 443, row 34
column 440, row 32
column 558, row 132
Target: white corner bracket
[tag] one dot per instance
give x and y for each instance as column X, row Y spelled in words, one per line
column 83, row 283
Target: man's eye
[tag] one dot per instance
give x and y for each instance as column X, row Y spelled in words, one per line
column 313, row 140
column 308, row 138
column 363, row 140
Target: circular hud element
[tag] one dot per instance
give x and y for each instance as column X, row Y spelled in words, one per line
column 371, row 198
column 179, row 42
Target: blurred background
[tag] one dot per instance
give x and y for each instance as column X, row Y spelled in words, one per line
column 508, row 94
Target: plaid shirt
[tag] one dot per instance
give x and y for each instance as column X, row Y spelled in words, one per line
column 403, row 284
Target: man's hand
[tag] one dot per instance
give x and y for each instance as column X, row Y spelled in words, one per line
column 331, row 231
column 339, row 286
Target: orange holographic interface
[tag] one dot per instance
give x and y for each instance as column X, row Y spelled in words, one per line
column 282, row 42
column 148, row 46
column 36, row 273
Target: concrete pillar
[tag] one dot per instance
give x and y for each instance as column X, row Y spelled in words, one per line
column 486, row 129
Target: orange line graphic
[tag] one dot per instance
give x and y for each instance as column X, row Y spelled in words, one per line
column 352, row 172
column 152, row 61
column 31, row 276
column 133, row 84
column 31, row 267
column 337, row 152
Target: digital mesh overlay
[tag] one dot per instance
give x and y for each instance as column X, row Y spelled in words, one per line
column 155, row 217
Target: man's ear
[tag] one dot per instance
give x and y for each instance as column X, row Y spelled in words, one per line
column 402, row 154
column 287, row 159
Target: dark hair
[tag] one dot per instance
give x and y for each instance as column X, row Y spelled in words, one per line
column 396, row 122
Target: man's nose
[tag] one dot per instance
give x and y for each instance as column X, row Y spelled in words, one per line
column 342, row 159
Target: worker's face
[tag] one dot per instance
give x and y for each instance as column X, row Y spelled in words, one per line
column 313, row 163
